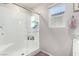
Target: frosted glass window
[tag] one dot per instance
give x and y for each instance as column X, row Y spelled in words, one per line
column 56, row 10
column 35, row 23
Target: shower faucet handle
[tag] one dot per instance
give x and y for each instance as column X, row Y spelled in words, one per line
column 30, row 37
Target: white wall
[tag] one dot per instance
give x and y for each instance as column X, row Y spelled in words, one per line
column 56, row 41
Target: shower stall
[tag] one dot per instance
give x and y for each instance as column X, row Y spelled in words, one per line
column 19, row 30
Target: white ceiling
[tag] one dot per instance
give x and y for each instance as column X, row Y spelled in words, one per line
column 32, row 5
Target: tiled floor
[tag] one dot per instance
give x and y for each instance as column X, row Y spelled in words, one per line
column 41, row 54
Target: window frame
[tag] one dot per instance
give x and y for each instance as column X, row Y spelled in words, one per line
column 56, row 15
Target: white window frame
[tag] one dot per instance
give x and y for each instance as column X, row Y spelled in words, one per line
column 62, row 15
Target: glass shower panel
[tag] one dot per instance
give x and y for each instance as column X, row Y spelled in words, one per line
column 13, row 29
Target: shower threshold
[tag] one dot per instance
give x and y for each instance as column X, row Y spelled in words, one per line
column 26, row 52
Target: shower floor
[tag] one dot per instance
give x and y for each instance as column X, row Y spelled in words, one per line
column 41, row 54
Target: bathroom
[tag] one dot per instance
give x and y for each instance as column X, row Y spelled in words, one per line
column 39, row 29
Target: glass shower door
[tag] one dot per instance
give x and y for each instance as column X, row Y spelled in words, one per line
column 13, row 30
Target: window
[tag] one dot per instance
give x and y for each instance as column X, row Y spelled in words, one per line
column 56, row 19
column 35, row 22
column 56, row 10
